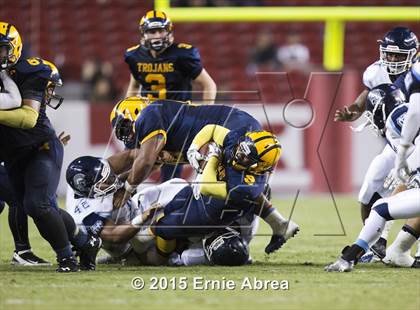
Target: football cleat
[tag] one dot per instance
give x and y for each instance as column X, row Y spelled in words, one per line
column 277, row 241
column 397, row 258
column 416, row 263
column 340, row 265
column 68, row 264
column 417, row 255
column 108, row 260
column 368, row 257
column 379, row 248
column 89, row 252
column 28, row 258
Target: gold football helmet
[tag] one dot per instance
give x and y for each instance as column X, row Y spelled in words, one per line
column 258, row 152
column 10, row 45
column 124, row 114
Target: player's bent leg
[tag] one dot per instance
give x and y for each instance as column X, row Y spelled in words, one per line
column 372, row 188
column 403, row 205
column 283, row 229
column 18, row 224
column 41, row 179
column 398, row 254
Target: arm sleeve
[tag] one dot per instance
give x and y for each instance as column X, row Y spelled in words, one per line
column 24, row 117
column 210, row 186
column 208, row 133
column 411, row 126
column 10, row 98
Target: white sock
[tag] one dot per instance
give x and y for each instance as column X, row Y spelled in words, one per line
column 386, row 230
column 403, row 242
column 276, row 221
column 371, row 232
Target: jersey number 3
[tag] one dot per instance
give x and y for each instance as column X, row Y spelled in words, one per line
column 158, row 84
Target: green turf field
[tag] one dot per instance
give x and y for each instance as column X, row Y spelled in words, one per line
column 301, row 262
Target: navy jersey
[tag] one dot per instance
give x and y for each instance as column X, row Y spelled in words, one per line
column 31, row 76
column 169, row 75
column 180, row 122
column 241, row 185
column 401, row 85
column 412, row 80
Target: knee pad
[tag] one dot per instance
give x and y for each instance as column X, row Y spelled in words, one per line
column 382, row 209
column 37, row 209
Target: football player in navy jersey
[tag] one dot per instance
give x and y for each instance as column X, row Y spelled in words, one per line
column 33, row 154
column 165, row 125
column 163, row 69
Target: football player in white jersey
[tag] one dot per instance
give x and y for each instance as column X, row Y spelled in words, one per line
column 397, row 253
column 403, row 139
column 397, row 50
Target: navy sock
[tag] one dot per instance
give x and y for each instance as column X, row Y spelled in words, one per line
column 80, row 239
column 64, row 252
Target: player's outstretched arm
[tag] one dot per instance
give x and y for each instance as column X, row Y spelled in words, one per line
column 123, row 161
column 24, row 117
column 144, row 160
column 210, row 186
column 118, row 233
column 10, row 98
column 354, row 111
column 208, row 86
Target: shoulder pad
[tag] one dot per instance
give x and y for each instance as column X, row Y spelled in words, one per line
column 415, row 69
column 184, row 46
column 132, row 48
column 375, row 75
column 34, row 65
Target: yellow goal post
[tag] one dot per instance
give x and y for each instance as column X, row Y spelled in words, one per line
column 333, row 16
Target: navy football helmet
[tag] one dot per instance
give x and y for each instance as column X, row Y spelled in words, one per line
column 380, row 102
column 397, row 50
column 92, row 177
column 226, row 248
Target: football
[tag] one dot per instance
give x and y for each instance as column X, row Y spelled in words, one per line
column 204, row 151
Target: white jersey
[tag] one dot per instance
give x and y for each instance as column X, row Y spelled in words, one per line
column 376, row 74
column 84, row 207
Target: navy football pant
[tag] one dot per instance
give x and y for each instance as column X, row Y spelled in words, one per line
column 18, row 220
column 34, row 175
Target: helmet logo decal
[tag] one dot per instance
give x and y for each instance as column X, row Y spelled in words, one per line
column 79, row 182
